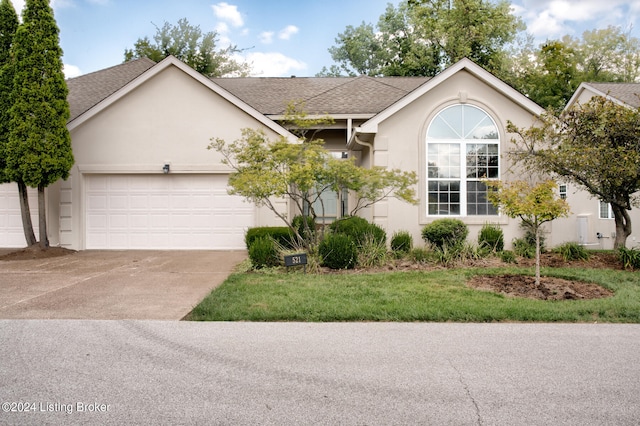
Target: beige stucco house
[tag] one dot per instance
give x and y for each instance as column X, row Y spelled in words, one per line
column 591, row 221
column 143, row 177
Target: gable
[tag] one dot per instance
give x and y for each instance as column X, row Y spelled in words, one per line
column 622, row 93
column 170, row 117
column 482, row 78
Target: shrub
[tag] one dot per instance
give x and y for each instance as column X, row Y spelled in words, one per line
column 572, row 251
column 445, row 232
column 507, row 256
column 401, row 242
column 358, row 229
column 491, row 237
column 420, row 255
column 281, row 234
column 372, row 252
column 630, row 258
column 523, row 247
column 338, row 251
column 263, row 253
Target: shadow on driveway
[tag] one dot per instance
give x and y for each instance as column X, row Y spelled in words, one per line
column 158, row 285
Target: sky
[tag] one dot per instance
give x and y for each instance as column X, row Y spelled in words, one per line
column 283, row 37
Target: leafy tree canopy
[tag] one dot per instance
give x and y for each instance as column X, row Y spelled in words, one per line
column 423, row 37
column 195, row 48
column 596, row 146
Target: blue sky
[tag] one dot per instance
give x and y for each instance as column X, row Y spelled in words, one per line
column 282, row 37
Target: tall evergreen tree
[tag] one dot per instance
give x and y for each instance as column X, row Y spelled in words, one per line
column 8, row 26
column 39, row 145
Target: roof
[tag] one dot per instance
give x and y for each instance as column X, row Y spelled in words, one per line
column 115, row 83
column 321, row 95
column 624, row 93
column 371, row 126
column 88, row 90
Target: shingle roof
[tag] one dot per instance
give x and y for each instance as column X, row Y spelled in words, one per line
column 321, row 95
column 629, row 93
column 90, row 89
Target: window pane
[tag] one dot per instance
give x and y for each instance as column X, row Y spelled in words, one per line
column 477, row 202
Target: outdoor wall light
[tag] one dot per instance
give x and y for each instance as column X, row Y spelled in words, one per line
column 165, row 169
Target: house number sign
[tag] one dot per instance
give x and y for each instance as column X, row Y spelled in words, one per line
column 296, row 260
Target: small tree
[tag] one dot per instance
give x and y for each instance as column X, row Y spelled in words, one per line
column 39, row 147
column 596, row 146
column 264, row 170
column 534, row 205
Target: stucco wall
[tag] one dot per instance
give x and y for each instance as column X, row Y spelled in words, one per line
column 168, row 119
column 400, row 143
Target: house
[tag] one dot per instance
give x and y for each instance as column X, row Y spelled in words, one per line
column 144, row 179
column 591, row 222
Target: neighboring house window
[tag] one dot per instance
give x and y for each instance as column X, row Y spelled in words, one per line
column 605, row 210
column 463, row 149
column 562, row 189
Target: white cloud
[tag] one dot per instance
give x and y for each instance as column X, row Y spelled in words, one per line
column 555, row 18
column 228, row 13
column 222, row 28
column 71, row 71
column 266, row 37
column 273, row 64
column 287, row 32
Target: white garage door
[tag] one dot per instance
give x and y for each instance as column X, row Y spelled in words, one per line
column 164, row 212
column 11, row 233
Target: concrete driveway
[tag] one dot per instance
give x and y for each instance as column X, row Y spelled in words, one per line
column 160, row 285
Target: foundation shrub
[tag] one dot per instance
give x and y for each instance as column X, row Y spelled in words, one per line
column 338, row 251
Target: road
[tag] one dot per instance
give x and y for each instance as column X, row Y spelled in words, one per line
column 161, row 372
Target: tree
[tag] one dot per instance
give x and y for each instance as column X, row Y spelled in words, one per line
column 39, row 146
column 554, row 77
column 534, row 205
column 596, row 146
column 8, row 27
column 187, row 43
column 264, row 170
column 423, row 37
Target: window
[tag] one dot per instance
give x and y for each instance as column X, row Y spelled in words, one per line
column 562, row 189
column 605, row 211
column 462, row 150
column 331, row 205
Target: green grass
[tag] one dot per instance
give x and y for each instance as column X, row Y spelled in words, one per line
column 411, row 296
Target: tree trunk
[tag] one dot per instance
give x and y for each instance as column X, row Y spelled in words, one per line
column 42, row 218
column 623, row 226
column 27, row 226
column 537, row 230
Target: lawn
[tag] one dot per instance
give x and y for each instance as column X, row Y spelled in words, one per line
column 437, row 295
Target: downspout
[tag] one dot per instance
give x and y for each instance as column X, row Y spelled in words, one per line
column 363, row 143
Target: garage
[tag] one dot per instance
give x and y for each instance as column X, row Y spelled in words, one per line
column 172, row 211
column 11, row 231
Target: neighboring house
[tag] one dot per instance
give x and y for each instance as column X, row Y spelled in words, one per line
column 129, row 121
column 591, row 222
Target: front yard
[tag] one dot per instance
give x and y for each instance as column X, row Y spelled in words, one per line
column 437, row 294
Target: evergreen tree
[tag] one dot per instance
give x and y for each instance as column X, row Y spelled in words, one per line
column 8, row 27
column 39, row 145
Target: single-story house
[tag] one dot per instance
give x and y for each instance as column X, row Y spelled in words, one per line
column 591, row 221
column 144, row 179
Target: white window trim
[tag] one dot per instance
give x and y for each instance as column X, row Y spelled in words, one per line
column 463, row 165
column 609, row 211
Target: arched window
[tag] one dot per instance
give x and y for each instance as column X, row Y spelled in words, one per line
column 463, row 149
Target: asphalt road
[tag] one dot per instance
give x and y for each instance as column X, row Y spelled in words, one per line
column 154, row 372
